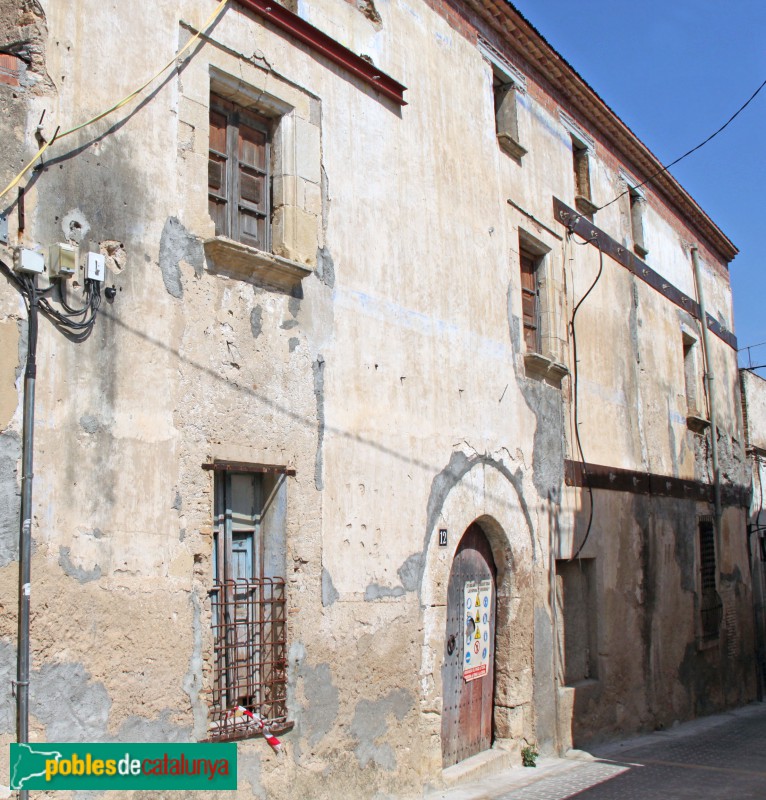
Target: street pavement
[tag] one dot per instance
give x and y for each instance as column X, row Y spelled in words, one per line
column 722, row 757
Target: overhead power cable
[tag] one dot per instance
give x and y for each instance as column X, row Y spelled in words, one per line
column 125, row 100
column 689, row 152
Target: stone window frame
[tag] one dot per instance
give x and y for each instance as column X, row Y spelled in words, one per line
column 583, row 147
column 509, row 84
column 228, row 197
column 546, row 360
column 637, row 205
column 291, row 257
column 294, row 114
column 694, row 389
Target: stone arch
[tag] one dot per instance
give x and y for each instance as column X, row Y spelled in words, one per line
column 482, row 489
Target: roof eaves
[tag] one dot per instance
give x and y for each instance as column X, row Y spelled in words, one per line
column 522, row 36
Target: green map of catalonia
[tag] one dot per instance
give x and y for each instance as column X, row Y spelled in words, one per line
column 30, row 763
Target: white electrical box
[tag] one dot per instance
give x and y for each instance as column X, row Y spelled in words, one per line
column 62, row 260
column 28, row 260
column 95, row 267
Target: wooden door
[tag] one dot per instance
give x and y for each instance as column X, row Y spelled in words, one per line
column 468, row 670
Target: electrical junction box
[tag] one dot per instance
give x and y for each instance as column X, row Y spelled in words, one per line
column 28, row 261
column 95, row 267
column 62, row 260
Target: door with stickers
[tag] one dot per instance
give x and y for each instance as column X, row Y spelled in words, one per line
column 468, row 669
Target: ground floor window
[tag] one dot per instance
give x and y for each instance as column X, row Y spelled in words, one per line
column 248, row 601
column 711, row 608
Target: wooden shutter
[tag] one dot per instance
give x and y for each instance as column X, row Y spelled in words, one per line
column 529, row 302
column 253, row 187
column 217, row 170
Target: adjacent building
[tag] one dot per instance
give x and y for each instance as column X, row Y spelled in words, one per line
column 394, row 424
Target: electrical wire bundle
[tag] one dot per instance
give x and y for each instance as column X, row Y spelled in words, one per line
column 75, row 323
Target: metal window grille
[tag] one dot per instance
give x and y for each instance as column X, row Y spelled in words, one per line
column 248, row 607
column 250, row 662
column 711, row 607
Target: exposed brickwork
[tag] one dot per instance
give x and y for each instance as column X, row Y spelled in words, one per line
column 9, row 69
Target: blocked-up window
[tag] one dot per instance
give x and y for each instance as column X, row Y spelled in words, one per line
column 575, row 597
column 248, row 604
column 711, row 608
column 508, row 87
column 239, row 174
column 506, row 98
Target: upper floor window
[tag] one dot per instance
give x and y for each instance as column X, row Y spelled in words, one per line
column 690, row 374
column 530, row 300
column 582, row 147
column 506, row 114
column 239, row 174
column 581, row 169
column 508, row 84
column 637, row 208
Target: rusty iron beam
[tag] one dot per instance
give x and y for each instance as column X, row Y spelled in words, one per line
column 321, row 43
column 241, row 466
column 615, row 479
column 622, row 255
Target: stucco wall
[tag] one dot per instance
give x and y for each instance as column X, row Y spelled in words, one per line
column 392, row 380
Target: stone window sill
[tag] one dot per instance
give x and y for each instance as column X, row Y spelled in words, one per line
column 696, row 423
column 511, row 146
column 239, row 260
column 585, row 206
column 540, row 366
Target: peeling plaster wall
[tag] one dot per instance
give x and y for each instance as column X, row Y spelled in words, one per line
column 392, row 379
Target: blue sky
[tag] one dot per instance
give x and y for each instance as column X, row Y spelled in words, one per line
column 675, row 71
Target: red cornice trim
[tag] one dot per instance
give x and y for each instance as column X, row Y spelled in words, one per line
column 321, row 43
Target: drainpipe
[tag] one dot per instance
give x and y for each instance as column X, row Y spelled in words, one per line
column 711, row 398
column 25, row 532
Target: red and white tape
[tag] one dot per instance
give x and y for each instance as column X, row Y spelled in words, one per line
column 259, row 722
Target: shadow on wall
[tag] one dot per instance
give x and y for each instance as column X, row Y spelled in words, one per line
column 632, row 650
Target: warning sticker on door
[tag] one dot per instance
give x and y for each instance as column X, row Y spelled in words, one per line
column 477, row 607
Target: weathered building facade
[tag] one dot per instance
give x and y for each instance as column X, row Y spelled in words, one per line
column 753, row 389
column 372, row 354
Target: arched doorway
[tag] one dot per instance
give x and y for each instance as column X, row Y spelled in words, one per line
column 468, row 669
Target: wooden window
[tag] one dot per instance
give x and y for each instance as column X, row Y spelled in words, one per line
column 239, row 174
column 530, row 301
column 248, row 604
